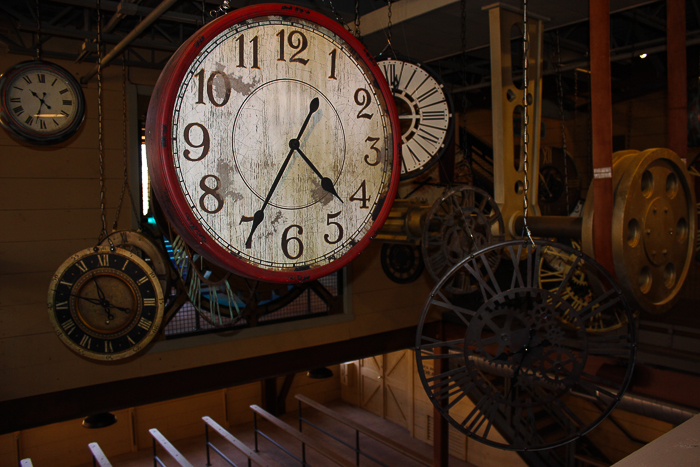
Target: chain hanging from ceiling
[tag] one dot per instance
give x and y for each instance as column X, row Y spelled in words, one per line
column 38, row 32
column 357, row 19
column 100, row 145
column 526, row 136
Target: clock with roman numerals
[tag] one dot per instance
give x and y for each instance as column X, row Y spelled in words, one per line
column 272, row 144
column 514, row 366
column 105, row 304
column 40, row 102
column 425, row 111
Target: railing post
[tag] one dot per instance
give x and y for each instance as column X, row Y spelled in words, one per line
column 303, row 453
column 255, row 429
column 206, row 439
column 300, row 415
column 155, row 464
column 357, row 447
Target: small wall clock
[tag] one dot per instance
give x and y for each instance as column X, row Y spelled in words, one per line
column 105, row 304
column 425, row 111
column 273, row 144
column 40, row 102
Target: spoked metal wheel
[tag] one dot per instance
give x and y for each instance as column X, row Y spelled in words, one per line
column 514, row 357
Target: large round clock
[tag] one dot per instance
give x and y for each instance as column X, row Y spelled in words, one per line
column 425, row 111
column 105, row 304
column 273, row 144
column 40, row 102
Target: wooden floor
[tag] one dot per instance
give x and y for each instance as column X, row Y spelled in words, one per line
column 194, row 448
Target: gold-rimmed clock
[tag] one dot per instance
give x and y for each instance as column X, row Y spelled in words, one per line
column 105, row 304
column 273, row 144
column 40, row 102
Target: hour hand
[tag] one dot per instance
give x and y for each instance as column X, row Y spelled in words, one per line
column 326, row 183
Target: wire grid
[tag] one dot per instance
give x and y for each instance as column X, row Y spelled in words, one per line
column 187, row 321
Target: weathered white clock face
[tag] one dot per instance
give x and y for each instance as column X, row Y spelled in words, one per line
column 40, row 100
column 424, row 112
column 281, row 144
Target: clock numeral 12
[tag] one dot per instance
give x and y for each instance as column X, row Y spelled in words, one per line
column 300, row 44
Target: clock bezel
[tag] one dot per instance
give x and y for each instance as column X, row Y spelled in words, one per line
column 159, row 146
column 22, row 133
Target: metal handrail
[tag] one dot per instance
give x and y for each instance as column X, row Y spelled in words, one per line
column 98, row 457
column 170, row 449
column 249, row 453
column 358, row 429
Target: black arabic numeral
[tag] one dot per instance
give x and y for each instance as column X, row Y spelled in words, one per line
column 364, row 199
column 210, row 88
column 285, row 242
column 376, row 149
column 363, row 98
column 210, row 191
column 204, row 144
column 327, row 237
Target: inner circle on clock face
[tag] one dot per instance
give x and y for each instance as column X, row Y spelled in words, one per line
column 271, row 116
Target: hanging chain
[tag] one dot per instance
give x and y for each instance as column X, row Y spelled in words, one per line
column 526, row 49
column 125, row 183
column 388, row 32
column 103, row 233
column 222, row 10
column 38, row 32
column 575, row 105
column 357, row 19
column 336, row 15
column 560, row 95
column 204, row 9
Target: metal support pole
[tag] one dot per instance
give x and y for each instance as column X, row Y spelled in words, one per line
column 119, row 48
column 676, row 69
column 441, row 446
column 601, row 118
column 357, row 447
column 255, row 430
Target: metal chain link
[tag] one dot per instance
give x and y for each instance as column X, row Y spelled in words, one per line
column 357, row 19
column 125, row 182
column 560, row 95
column 38, row 32
column 388, row 32
column 338, row 18
column 526, row 49
column 103, row 233
column 223, row 9
column 204, row 9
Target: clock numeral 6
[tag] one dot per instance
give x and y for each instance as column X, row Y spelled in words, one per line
column 285, row 242
column 363, row 98
column 327, row 237
column 210, row 87
column 204, row 144
column 211, row 191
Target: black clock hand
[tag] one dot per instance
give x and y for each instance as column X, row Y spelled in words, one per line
column 293, row 144
column 326, row 182
column 90, row 300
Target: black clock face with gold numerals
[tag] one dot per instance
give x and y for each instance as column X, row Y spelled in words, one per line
column 105, row 304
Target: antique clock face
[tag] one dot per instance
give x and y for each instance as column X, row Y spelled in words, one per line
column 425, row 112
column 105, row 305
column 271, row 144
column 515, row 357
column 40, row 102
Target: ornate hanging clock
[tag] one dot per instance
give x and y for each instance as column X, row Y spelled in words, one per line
column 273, row 145
column 105, row 304
column 40, row 102
column 425, row 111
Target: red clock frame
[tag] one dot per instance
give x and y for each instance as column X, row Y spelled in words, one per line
column 160, row 158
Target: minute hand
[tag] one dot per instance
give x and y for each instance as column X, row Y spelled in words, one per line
column 326, row 182
column 293, row 145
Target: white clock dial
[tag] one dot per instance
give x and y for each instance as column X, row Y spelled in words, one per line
column 40, row 100
column 425, row 113
column 281, row 143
